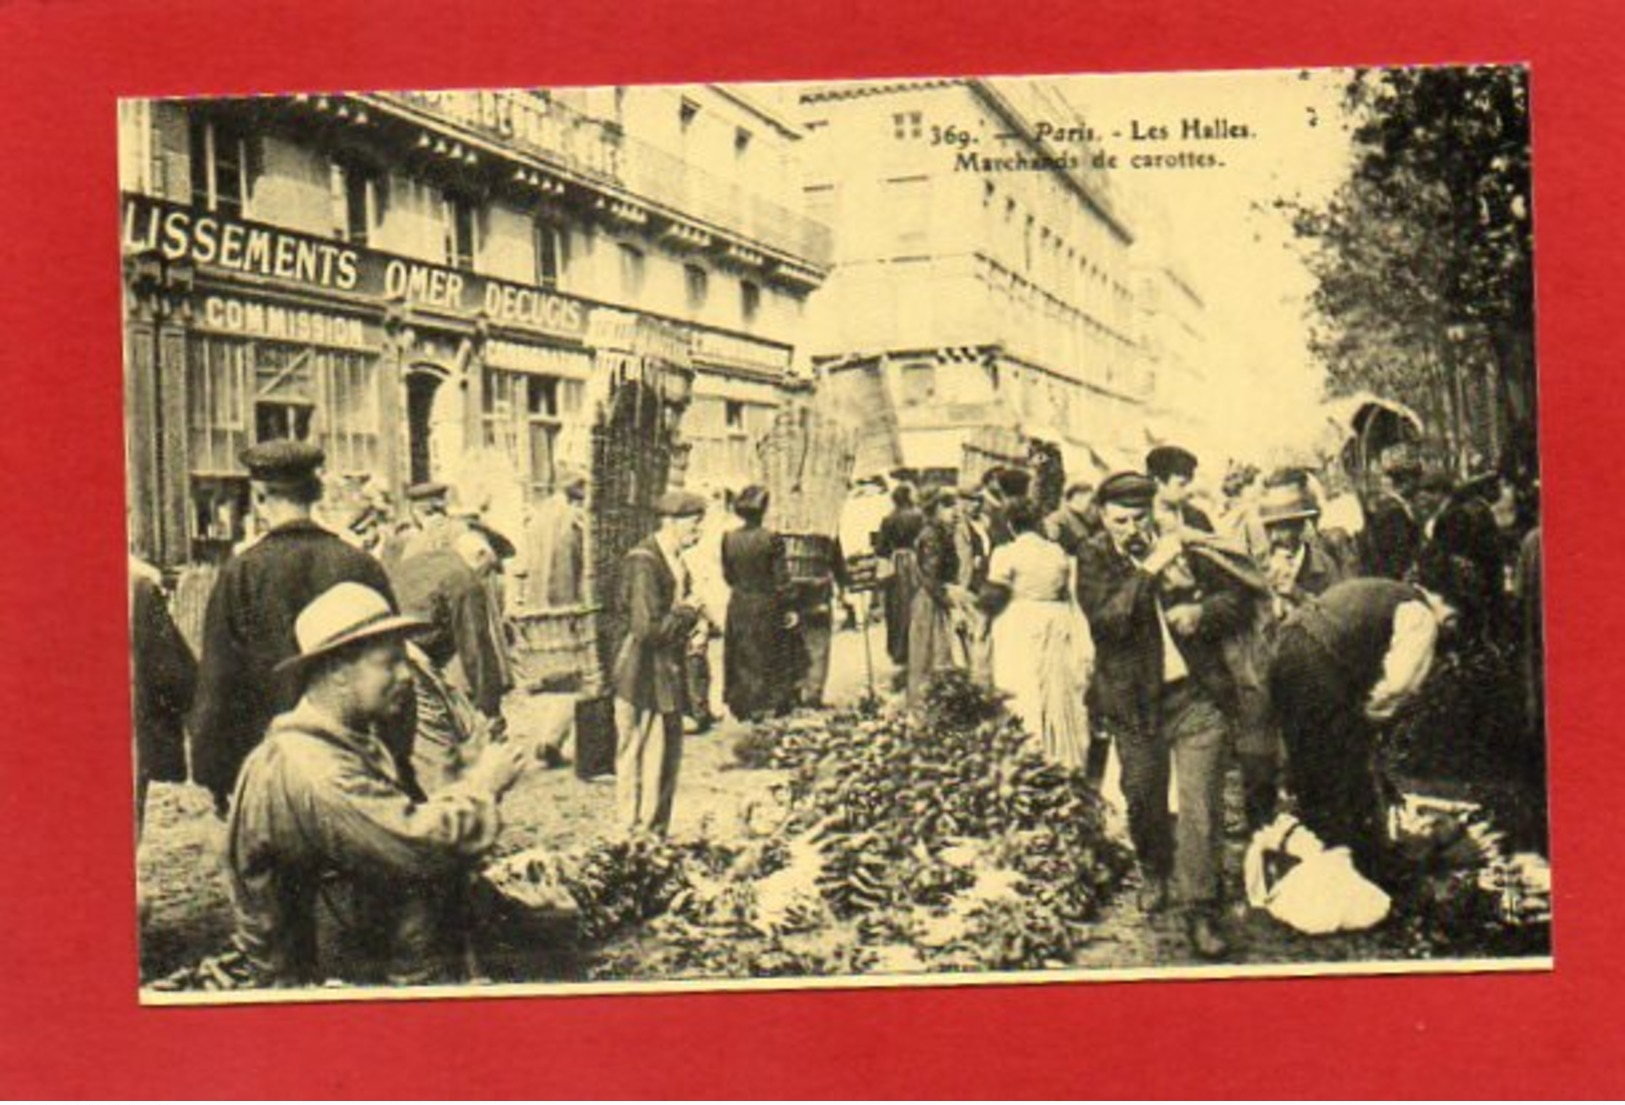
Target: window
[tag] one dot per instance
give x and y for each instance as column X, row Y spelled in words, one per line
column 631, row 269
column 1027, row 246
column 220, row 168
column 687, row 111
column 459, row 223
column 697, row 281
column 750, row 301
column 908, row 210
column 919, row 383
column 733, row 415
column 552, row 254
column 356, row 203
column 907, row 124
column 741, row 141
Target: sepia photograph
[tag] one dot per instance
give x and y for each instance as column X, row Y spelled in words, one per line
column 964, row 530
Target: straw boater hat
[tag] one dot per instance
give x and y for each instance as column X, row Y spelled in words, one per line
column 342, row 615
column 1286, row 502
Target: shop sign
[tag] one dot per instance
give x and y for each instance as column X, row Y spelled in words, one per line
column 180, row 233
column 277, row 323
column 729, row 349
column 545, row 360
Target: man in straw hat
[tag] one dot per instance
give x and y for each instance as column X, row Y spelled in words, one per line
column 650, row 677
column 248, row 627
column 1299, row 563
column 336, row 869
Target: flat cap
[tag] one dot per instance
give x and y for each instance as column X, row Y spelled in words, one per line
column 1127, row 489
column 430, row 489
column 1170, row 460
column 680, row 504
column 282, row 461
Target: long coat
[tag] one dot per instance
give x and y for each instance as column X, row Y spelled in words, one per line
column 1121, row 601
column 649, row 670
column 248, row 630
column 759, row 661
column 444, row 591
column 163, row 676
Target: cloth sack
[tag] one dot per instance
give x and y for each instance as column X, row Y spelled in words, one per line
column 1306, row 886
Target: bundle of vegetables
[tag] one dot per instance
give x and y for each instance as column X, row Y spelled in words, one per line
column 227, row 971
column 937, row 841
column 605, row 887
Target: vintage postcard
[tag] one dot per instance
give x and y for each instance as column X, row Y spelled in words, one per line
column 874, row 532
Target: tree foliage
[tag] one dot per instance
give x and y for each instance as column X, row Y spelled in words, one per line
column 1429, row 239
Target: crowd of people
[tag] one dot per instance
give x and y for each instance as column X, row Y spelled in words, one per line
column 346, row 710
column 1281, row 638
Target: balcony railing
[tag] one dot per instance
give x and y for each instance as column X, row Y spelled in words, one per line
column 539, row 126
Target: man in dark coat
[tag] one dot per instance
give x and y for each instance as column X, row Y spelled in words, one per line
column 163, row 675
column 248, row 627
column 1464, row 526
column 650, row 680
column 1393, row 533
column 1160, row 612
column 447, row 588
column 1076, row 519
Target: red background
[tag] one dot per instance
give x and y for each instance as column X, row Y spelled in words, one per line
column 69, row 1021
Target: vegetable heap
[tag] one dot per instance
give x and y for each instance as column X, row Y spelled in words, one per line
column 940, row 841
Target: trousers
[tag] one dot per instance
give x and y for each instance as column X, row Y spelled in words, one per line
column 1331, row 748
column 648, row 753
column 1191, row 740
column 817, row 637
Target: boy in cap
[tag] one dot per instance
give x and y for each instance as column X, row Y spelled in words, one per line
column 248, row 627
column 338, row 869
column 650, row 677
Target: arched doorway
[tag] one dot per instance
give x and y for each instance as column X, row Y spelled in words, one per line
column 424, row 419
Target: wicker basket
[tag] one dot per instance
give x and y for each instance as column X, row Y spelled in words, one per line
column 557, row 649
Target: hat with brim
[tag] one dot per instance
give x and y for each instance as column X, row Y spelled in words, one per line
column 1286, row 502
column 343, row 615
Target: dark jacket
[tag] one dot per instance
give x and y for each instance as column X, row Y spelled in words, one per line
column 1391, row 538
column 444, row 591
column 898, row 530
column 1321, row 568
column 248, row 630
column 163, row 677
column 1069, row 529
column 1120, row 601
column 649, row 670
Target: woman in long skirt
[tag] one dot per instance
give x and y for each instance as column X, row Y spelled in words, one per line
column 758, row 662
column 894, row 546
column 933, row 645
column 1043, row 653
